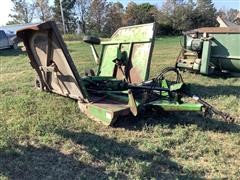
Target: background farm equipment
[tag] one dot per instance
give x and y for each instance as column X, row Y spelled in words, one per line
column 121, row 86
column 211, row 50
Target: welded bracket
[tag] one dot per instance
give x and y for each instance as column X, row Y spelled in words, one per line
column 132, row 103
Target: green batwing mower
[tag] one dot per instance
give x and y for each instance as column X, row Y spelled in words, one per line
column 121, row 85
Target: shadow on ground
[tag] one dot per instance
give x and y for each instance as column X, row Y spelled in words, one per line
column 45, row 163
column 213, row 91
column 109, row 151
column 171, row 119
column 11, row 52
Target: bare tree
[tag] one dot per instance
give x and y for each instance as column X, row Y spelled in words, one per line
column 43, row 10
column 232, row 14
column 22, row 12
column 114, row 18
column 69, row 14
column 82, row 6
column 97, row 15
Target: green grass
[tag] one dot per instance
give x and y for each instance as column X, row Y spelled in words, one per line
column 44, row 136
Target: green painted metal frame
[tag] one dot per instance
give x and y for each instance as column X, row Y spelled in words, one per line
column 206, row 53
column 138, row 43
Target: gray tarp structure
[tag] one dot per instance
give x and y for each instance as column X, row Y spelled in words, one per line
column 14, row 28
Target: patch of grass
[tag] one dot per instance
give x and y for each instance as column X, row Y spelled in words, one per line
column 72, row 37
column 44, row 135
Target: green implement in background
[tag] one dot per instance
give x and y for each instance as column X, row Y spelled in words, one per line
column 211, row 50
column 120, row 86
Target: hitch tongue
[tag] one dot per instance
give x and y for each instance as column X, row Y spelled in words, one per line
column 210, row 109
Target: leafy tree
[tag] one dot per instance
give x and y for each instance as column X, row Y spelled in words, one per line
column 43, row 10
column 97, row 16
column 130, row 14
column 146, row 13
column 204, row 14
column 169, row 13
column 114, row 18
column 184, row 16
column 175, row 16
column 180, row 15
column 139, row 14
column 69, row 14
column 22, row 12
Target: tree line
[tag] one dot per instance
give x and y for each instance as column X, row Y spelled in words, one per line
column 101, row 17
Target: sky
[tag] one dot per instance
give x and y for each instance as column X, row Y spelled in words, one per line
column 5, row 8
